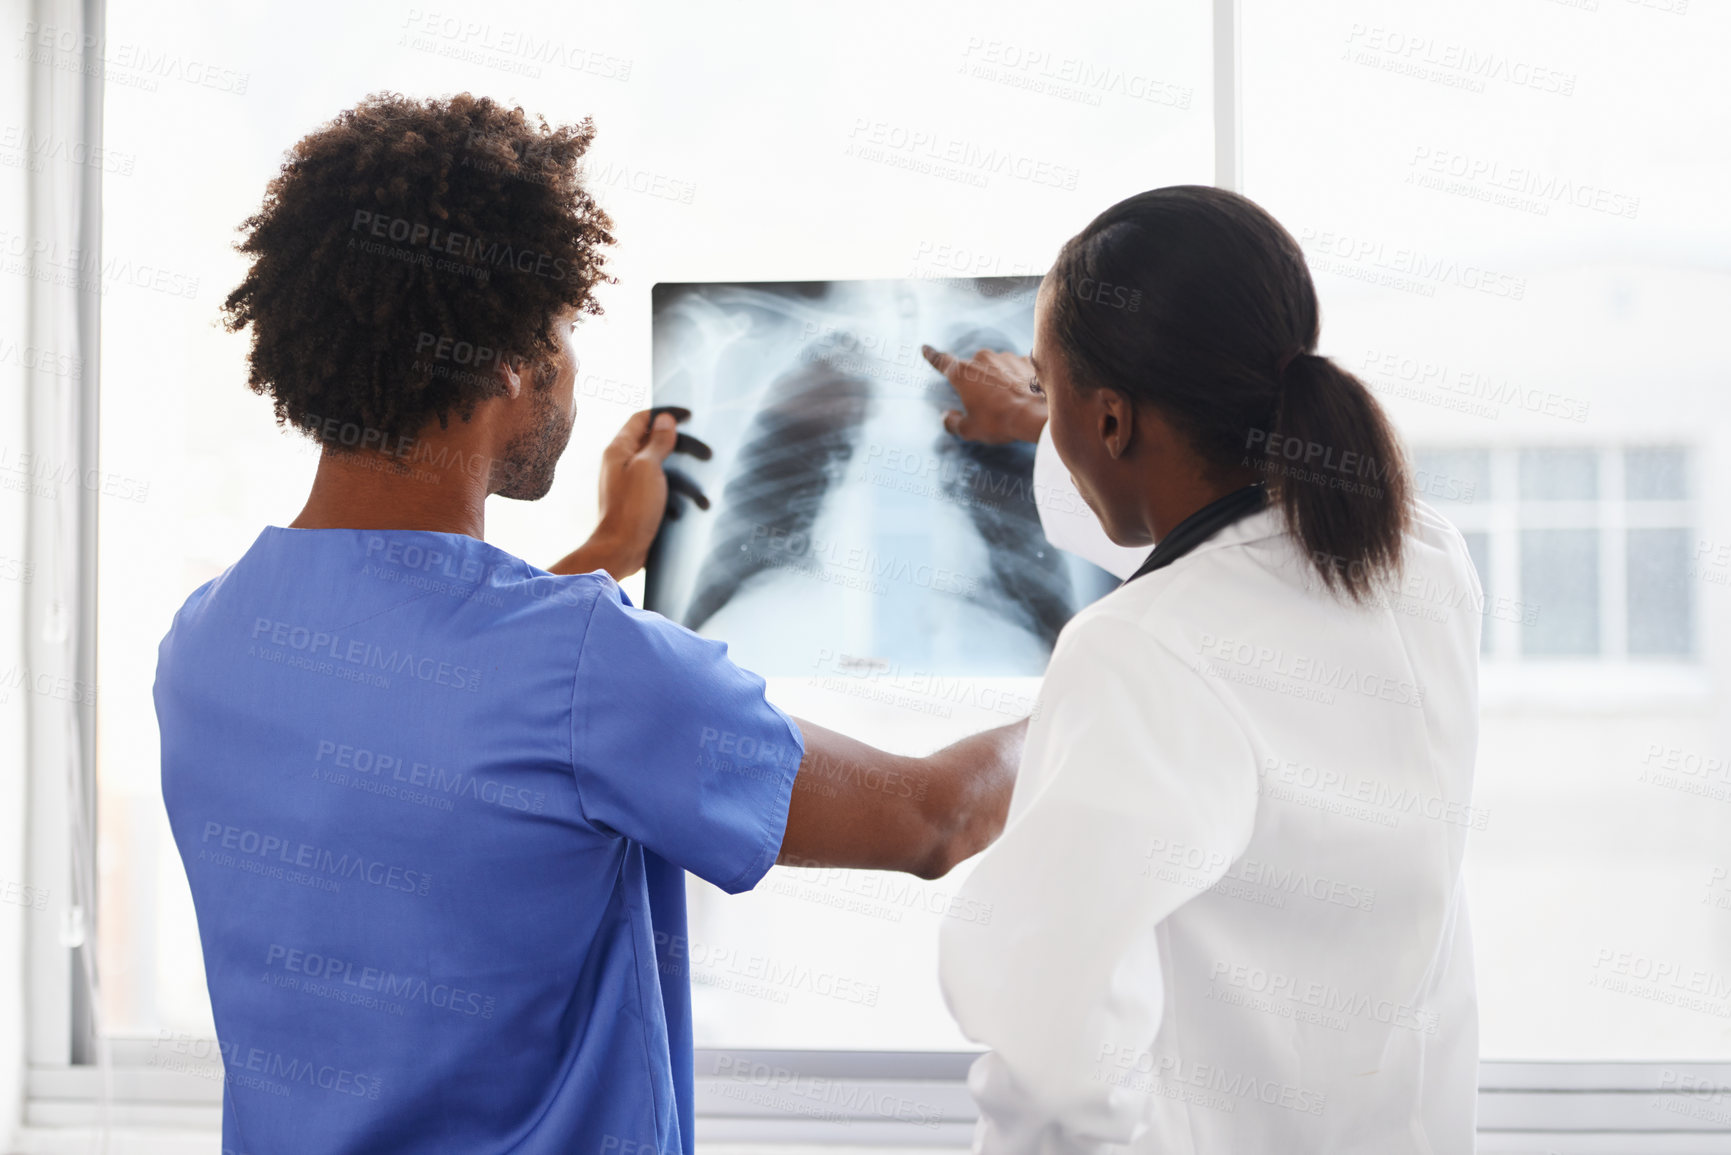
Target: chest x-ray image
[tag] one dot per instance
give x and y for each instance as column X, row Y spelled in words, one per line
column 847, row 526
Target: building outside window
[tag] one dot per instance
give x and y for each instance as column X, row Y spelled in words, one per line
column 1584, row 553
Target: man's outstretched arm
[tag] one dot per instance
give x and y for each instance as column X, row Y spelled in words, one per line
column 853, row 805
column 857, row 806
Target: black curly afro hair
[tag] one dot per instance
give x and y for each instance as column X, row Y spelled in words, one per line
column 404, row 248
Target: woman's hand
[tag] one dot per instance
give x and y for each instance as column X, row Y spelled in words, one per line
column 1000, row 401
column 634, row 493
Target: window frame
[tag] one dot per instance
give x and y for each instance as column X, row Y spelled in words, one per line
column 61, row 547
column 77, row 1082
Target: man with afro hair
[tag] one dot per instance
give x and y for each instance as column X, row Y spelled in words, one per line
column 436, row 804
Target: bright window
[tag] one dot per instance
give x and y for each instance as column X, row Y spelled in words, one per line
column 1514, row 212
column 826, row 143
column 1507, row 208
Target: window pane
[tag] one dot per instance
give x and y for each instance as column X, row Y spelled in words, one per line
column 950, row 131
column 1431, row 186
column 1559, row 474
column 1452, row 475
column 1656, row 474
column 1560, row 575
column 1661, row 597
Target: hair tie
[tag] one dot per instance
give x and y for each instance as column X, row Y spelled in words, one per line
column 1280, row 369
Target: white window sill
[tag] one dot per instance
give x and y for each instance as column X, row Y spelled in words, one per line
column 1556, row 1107
column 162, row 1141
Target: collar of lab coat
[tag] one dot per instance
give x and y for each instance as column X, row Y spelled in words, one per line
column 1267, row 522
column 1203, row 526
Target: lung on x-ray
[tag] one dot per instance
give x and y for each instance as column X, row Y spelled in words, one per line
column 847, row 526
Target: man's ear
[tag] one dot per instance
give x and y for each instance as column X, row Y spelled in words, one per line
column 1115, row 421
column 513, row 376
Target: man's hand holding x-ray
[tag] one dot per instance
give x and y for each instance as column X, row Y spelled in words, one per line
column 962, row 792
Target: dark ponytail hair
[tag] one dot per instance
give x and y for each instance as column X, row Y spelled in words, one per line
column 1195, row 301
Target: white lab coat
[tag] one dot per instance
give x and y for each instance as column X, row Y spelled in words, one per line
column 1226, row 913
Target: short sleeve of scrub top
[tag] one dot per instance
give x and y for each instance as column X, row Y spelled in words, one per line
column 704, row 774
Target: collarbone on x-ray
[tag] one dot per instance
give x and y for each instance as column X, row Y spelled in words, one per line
column 848, row 528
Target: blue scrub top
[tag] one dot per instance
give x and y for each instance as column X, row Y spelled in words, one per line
column 436, row 806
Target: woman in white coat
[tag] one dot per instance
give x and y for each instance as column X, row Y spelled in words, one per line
column 1226, row 911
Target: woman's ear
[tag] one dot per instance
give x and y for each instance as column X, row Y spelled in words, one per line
column 1115, row 421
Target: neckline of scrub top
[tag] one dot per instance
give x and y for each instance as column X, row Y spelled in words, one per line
column 1202, row 525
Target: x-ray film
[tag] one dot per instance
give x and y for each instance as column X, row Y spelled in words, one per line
column 847, row 527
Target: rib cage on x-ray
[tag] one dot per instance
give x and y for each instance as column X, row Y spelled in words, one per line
column 1030, row 577
column 846, row 521
column 798, row 443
